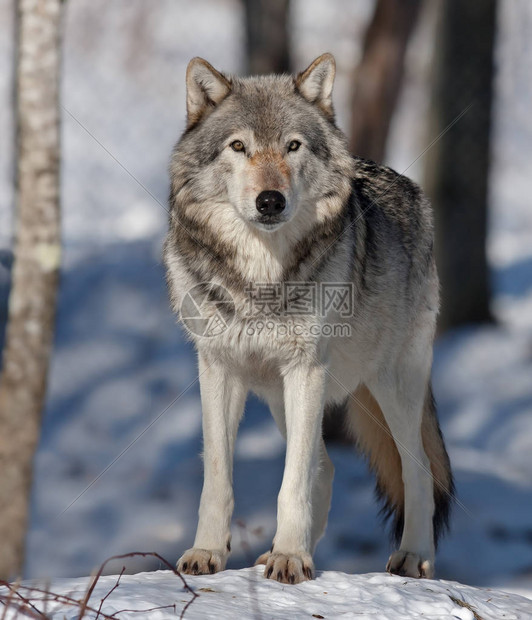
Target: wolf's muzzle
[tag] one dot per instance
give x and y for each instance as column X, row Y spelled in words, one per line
column 270, row 203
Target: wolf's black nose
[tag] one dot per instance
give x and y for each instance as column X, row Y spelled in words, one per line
column 270, row 203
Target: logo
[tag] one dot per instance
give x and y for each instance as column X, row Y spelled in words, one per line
column 207, row 310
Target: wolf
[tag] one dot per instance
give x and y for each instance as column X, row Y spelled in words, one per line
column 266, row 197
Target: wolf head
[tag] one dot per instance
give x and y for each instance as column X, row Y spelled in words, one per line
column 268, row 145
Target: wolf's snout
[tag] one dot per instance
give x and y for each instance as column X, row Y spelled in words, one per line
column 270, row 203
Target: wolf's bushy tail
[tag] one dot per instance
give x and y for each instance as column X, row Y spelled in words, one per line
column 373, row 437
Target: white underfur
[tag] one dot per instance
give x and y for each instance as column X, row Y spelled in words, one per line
column 297, row 374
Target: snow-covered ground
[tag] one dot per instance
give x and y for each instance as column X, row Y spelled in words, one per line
column 161, row 595
column 118, row 466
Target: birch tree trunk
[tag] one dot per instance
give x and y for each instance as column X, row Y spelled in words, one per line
column 35, row 274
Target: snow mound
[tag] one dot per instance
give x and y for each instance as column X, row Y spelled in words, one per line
column 246, row 594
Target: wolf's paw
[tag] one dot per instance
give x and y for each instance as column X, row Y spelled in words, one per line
column 201, row 562
column 288, row 568
column 262, row 559
column 409, row 564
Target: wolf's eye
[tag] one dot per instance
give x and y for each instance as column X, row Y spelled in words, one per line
column 294, row 145
column 238, row 146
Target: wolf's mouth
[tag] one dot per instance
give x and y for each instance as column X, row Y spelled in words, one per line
column 269, row 222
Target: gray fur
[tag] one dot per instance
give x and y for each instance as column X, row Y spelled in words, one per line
column 348, row 220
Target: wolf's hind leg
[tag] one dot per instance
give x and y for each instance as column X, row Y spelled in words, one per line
column 403, row 414
column 376, row 441
column 222, row 398
column 396, row 426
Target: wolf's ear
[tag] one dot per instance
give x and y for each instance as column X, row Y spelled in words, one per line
column 316, row 83
column 206, row 88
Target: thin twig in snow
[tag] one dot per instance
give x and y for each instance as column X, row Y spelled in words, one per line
column 138, row 611
column 142, row 554
column 110, row 592
column 27, row 606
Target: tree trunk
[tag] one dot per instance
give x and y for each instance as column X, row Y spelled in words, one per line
column 267, row 43
column 36, row 268
column 379, row 75
column 376, row 87
column 458, row 164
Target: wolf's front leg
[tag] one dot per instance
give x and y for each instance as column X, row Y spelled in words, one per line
column 223, row 395
column 290, row 560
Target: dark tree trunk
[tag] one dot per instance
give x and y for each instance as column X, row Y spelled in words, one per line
column 35, row 273
column 378, row 77
column 267, row 42
column 458, row 164
column 376, row 87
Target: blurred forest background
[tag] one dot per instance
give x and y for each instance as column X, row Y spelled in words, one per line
column 438, row 89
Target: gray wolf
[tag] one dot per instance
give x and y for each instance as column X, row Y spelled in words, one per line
column 265, row 194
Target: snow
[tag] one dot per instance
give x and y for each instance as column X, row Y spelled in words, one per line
column 118, row 465
column 246, row 593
